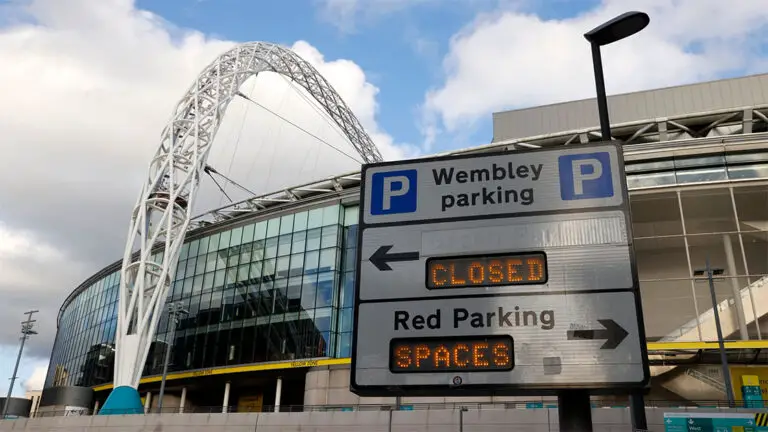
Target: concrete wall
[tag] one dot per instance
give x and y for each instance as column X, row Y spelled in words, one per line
column 519, row 420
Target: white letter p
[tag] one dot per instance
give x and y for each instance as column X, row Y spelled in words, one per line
column 405, row 185
column 579, row 177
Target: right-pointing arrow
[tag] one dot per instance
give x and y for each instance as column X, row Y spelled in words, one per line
column 612, row 332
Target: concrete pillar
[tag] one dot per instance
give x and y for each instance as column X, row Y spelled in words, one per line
column 183, row 399
column 735, row 288
column 278, row 393
column 147, row 402
column 225, row 403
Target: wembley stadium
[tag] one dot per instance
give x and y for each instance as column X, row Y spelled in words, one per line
column 267, row 284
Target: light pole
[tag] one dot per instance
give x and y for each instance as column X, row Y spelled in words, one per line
column 611, row 31
column 174, row 310
column 26, row 330
column 461, row 418
column 710, row 273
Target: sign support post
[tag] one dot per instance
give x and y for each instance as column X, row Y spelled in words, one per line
column 574, row 411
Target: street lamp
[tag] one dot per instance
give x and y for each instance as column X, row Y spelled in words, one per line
column 26, row 330
column 710, row 272
column 174, row 311
column 622, row 26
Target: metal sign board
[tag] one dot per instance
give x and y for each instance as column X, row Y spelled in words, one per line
column 525, row 290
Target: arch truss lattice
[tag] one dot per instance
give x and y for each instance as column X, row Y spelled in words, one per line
column 162, row 212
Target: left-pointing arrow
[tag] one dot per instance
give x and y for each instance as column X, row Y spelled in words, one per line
column 381, row 258
column 613, row 334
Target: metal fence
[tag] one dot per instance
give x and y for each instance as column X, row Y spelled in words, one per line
column 523, row 405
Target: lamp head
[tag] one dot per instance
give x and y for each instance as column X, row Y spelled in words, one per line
column 622, row 26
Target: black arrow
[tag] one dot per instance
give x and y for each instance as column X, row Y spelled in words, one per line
column 612, row 333
column 381, row 258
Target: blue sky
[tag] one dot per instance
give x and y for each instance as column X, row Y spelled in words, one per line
column 421, row 75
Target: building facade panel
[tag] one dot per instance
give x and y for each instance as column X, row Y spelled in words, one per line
column 630, row 107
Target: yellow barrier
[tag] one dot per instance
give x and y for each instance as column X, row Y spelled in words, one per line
column 652, row 346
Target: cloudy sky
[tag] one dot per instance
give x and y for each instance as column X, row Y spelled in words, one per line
column 87, row 86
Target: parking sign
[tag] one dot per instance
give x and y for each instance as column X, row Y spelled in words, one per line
column 508, row 273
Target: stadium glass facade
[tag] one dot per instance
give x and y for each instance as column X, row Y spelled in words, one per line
column 281, row 287
column 270, row 290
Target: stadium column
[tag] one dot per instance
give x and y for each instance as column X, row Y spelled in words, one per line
column 183, row 399
column 147, row 403
column 225, row 402
column 278, row 393
column 735, row 288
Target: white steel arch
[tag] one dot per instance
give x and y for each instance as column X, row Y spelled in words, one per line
column 162, row 213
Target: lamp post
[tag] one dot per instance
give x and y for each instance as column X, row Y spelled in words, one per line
column 174, row 310
column 623, row 26
column 710, row 273
column 26, row 330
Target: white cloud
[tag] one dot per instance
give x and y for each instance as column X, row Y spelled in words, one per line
column 346, row 14
column 87, row 87
column 511, row 59
column 37, row 379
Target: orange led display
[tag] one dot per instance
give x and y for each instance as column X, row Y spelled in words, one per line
column 483, row 271
column 490, row 353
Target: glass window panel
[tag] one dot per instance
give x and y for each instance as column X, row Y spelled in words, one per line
column 231, row 276
column 346, row 320
column 224, row 239
column 193, row 248
column 655, row 215
column 270, row 249
column 649, row 166
column 233, row 254
column 294, row 294
column 208, row 281
column 350, row 237
column 701, row 175
column 258, row 250
column 708, row 211
column 213, row 244
column 197, row 285
column 661, row 258
column 282, row 267
column 203, row 245
column 748, row 171
column 752, row 208
column 210, row 261
column 330, row 236
column 746, row 157
column 221, row 259
column 313, row 239
column 350, row 260
column 315, row 218
column 218, row 280
column 248, row 233
column 256, row 270
column 237, row 237
column 184, row 251
column 323, row 323
column 345, row 345
column 300, row 221
column 308, row 292
column 286, row 224
column 311, row 260
column 351, row 215
column 242, row 272
column 325, row 284
column 190, row 267
column 297, row 265
column 187, row 286
column 699, row 161
column 331, row 215
column 723, row 252
column 348, row 290
column 269, row 269
column 180, row 270
column 327, row 259
column 284, row 245
column 273, row 227
column 260, row 230
column 245, row 253
column 299, row 241
column 200, row 267
column 650, row 180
